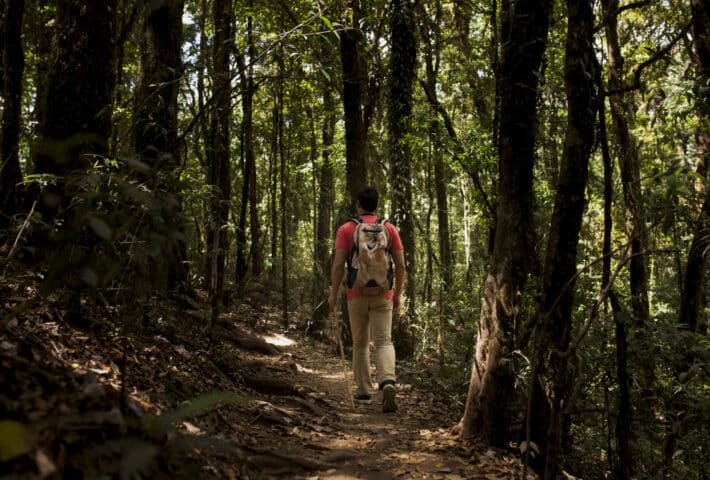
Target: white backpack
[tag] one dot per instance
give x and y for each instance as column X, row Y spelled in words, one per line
column 370, row 270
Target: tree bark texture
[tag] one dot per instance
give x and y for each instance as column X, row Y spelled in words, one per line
column 220, row 119
column 624, row 467
column 524, row 35
column 554, row 323
column 79, row 89
column 402, row 74
column 13, row 66
column 692, row 298
column 326, row 199
column 249, row 202
column 354, row 68
column 155, row 127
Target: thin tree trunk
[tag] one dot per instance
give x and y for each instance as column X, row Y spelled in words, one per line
column 555, row 311
column 221, row 114
column 127, row 20
column 282, row 188
column 487, row 412
column 13, row 66
column 432, row 46
column 629, row 165
column 248, row 162
column 624, row 465
column 326, row 198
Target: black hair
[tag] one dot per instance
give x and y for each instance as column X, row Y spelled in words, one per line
column 368, row 198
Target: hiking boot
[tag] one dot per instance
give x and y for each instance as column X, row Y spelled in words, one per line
column 363, row 399
column 389, row 403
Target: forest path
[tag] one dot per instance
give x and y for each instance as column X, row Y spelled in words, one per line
column 94, row 397
column 333, row 439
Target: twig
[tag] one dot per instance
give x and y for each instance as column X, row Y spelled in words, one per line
column 17, row 238
column 334, row 319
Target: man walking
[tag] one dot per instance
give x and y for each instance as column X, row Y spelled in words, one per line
column 369, row 313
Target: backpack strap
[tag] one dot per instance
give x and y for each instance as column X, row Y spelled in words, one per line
column 357, row 221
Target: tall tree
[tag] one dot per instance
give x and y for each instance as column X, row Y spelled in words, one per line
column 326, row 194
column 402, row 74
column 523, row 38
column 249, row 186
column 695, row 270
column 155, row 125
column 354, row 69
column 552, row 384
column 11, row 71
column 630, row 167
column 219, row 160
column 431, row 39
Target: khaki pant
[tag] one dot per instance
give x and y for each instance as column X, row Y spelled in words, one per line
column 371, row 315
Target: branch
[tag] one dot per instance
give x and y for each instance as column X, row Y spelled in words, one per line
column 639, row 4
column 638, row 69
column 434, row 102
column 600, row 299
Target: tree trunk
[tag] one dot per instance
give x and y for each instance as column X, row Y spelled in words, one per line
column 326, row 199
column 431, row 40
column 629, row 164
column 554, row 323
column 354, row 77
column 249, row 187
column 219, row 169
column 13, row 66
column 155, row 126
column 692, row 299
column 79, row 88
column 283, row 179
column 487, row 412
column 624, row 466
column 75, row 111
column 402, row 74
column 478, row 92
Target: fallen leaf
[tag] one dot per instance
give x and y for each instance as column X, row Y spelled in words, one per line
column 193, row 429
column 45, row 465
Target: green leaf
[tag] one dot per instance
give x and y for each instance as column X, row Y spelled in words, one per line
column 327, row 22
column 198, row 405
column 15, row 440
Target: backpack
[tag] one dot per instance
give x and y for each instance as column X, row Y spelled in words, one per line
column 370, row 270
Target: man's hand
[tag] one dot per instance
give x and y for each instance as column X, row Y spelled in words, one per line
column 333, row 299
column 396, row 302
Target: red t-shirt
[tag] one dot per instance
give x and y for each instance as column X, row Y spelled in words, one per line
column 344, row 241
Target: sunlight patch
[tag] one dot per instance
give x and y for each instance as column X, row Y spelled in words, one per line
column 278, row 340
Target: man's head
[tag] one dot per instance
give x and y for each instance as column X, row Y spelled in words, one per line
column 367, row 198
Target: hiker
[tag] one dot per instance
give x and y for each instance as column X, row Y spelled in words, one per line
column 370, row 246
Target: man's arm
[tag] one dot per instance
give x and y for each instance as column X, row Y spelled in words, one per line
column 399, row 275
column 336, row 275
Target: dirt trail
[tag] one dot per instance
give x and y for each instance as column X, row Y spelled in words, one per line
column 360, row 441
column 105, row 399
